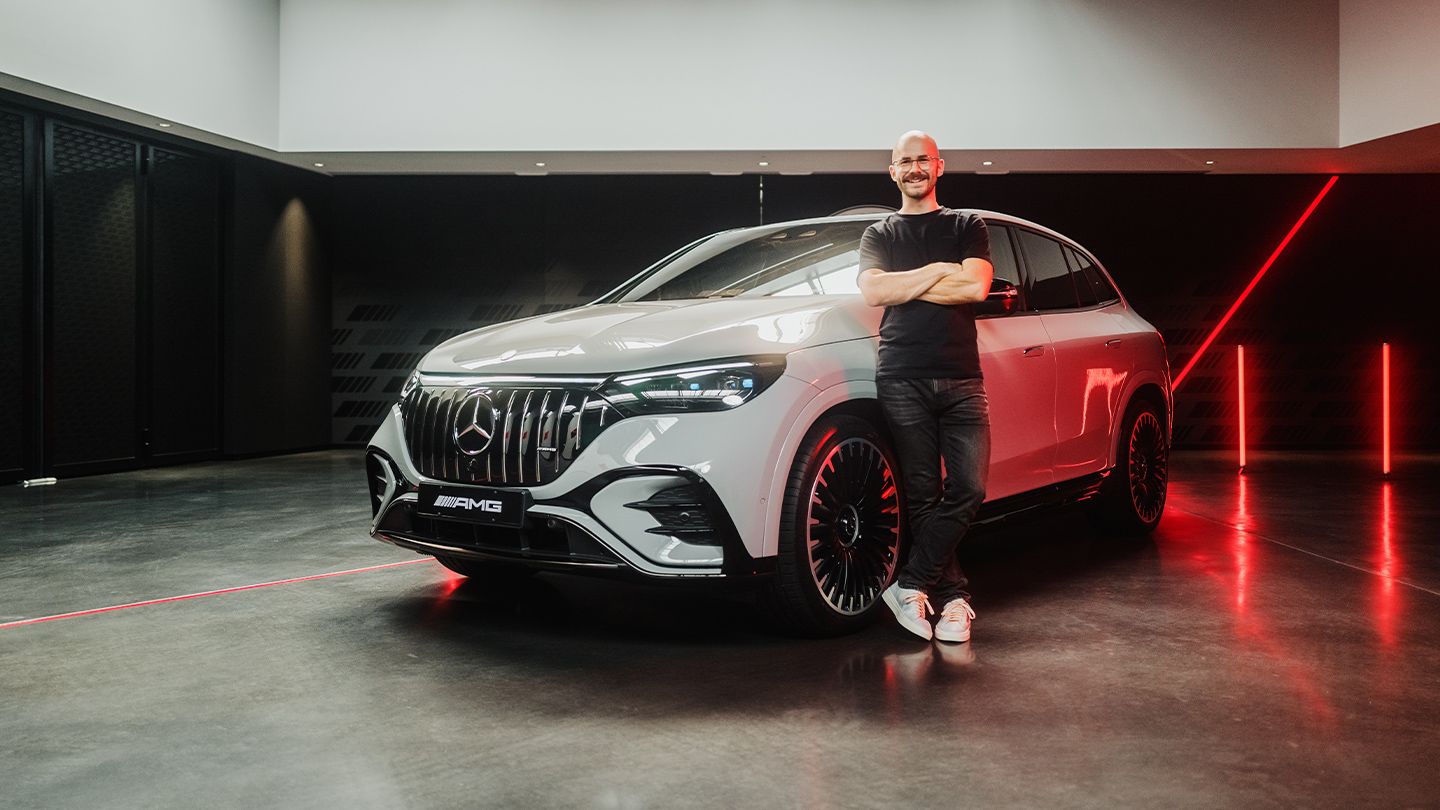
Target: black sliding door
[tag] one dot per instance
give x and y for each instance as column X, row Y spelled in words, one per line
column 110, row 262
column 91, row 368
column 183, row 373
column 15, row 426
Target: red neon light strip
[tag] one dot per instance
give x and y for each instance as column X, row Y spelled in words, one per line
column 1385, row 407
column 1240, row 368
column 163, row 600
column 1256, row 280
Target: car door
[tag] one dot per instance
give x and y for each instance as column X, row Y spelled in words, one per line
column 1091, row 362
column 1019, row 366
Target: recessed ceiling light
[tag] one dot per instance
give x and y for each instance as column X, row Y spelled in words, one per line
column 319, row 165
column 987, row 163
column 764, row 163
column 539, row 165
column 165, row 124
column 1209, row 163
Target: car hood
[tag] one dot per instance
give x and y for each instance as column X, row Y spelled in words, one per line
column 607, row 338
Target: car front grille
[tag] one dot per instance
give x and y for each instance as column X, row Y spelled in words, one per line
column 534, row 432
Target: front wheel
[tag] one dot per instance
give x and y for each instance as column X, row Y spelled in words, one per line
column 839, row 529
column 1133, row 499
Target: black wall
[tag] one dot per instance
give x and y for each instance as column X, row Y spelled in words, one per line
column 419, row 259
column 160, row 301
column 277, row 311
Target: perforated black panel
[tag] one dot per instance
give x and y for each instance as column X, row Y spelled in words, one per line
column 12, row 290
column 91, row 353
column 184, row 194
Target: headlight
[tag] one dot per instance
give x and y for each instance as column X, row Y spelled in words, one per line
column 410, row 385
column 715, row 386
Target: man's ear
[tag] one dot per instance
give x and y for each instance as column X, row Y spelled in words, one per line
column 939, row 166
column 893, row 178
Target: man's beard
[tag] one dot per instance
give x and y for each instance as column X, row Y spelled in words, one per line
column 920, row 189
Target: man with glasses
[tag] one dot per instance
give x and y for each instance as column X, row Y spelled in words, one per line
column 927, row 264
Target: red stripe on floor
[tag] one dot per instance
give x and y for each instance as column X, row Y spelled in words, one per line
column 163, row 600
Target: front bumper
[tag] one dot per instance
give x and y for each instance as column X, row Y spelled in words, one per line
column 611, row 510
column 568, row 532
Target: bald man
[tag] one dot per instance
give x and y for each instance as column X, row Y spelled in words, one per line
column 927, row 265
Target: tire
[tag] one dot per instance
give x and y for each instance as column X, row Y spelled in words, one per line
column 486, row 573
column 840, row 538
column 1133, row 499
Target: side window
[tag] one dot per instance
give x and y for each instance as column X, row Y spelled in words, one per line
column 1002, row 255
column 1050, row 285
column 1091, row 276
column 1082, row 287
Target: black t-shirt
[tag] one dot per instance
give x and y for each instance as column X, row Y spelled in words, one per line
column 918, row 338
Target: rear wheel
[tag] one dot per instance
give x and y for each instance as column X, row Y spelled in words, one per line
column 1133, row 499
column 839, row 529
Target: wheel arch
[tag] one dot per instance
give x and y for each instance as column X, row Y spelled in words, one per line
column 1150, row 389
column 850, row 397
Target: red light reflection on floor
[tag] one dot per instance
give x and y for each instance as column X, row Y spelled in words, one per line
column 1240, row 542
column 1192, row 545
column 1385, row 607
column 441, row 603
column 203, row 594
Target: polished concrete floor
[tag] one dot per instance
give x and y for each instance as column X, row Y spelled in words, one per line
column 1277, row 644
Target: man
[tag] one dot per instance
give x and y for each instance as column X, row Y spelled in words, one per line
column 926, row 265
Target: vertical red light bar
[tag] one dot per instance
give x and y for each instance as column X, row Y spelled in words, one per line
column 1385, row 408
column 1240, row 387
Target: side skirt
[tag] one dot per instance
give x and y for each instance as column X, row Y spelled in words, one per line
column 1053, row 495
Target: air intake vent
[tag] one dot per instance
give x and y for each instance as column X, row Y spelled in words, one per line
column 682, row 514
column 501, row 435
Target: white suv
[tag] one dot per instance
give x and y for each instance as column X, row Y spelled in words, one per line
column 715, row 417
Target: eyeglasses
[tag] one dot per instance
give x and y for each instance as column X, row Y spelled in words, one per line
column 905, row 163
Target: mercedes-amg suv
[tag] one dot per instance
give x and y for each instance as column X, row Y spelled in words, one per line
column 715, row 417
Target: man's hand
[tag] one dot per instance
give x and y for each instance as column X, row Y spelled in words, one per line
column 964, row 283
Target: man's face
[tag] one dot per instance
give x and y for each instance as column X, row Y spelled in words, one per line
column 915, row 166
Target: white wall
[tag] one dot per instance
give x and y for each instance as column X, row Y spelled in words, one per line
column 1389, row 70
column 209, row 64
column 806, row 74
column 588, row 75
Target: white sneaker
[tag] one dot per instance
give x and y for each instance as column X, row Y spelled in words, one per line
column 910, row 608
column 954, row 624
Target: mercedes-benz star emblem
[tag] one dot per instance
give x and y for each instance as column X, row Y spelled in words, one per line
column 474, row 424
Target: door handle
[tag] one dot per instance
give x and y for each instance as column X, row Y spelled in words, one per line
column 1034, row 351
column 1113, row 342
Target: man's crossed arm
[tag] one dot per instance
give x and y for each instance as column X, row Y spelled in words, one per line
column 938, row 282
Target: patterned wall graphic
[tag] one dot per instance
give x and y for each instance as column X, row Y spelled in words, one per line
column 12, row 290
column 421, row 260
column 376, row 345
column 461, row 252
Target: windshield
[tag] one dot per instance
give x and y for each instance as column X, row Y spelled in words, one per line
column 815, row 259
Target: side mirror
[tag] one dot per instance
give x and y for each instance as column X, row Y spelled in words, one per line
column 1004, row 298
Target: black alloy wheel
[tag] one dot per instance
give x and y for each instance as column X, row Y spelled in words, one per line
column 840, row 529
column 1146, row 467
column 853, row 526
column 1133, row 499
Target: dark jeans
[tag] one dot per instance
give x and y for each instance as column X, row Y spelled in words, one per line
column 930, row 418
